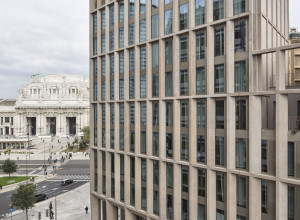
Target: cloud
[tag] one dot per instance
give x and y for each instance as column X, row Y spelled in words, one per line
column 49, row 36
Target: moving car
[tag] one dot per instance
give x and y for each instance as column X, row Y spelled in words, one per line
column 66, row 182
column 40, row 197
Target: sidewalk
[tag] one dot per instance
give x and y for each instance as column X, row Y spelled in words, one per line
column 69, row 206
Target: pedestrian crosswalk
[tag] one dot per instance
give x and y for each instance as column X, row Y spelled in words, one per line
column 73, row 177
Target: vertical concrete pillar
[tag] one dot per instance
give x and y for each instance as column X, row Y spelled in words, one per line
column 254, row 198
column 210, row 60
column 210, row 131
column 162, row 129
column 138, row 183
column 162, row 190
column 177, row 192
column 281, row 200
column 193, row 196
column 193, row 131
column 111, row 211
column 176, row 130
column 230, row 128
column 231, row 196
column 149, row 186
column 149, row 117
column 95, row 212
column 211, row 195
column 229, row 76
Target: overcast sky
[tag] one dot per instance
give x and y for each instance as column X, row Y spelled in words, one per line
column 50, row 36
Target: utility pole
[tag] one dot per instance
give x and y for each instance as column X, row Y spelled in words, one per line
column 44, row 161
column 28, row 139
column 55, row 209
column 26, row 166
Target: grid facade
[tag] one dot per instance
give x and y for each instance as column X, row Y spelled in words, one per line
column 179, row 110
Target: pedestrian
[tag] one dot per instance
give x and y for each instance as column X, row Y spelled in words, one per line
column 0, row 187
column 52, row 146
column 86, row 210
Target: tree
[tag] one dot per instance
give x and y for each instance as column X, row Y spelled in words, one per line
column 9, row 167
column 86, row 138
column 24, row 197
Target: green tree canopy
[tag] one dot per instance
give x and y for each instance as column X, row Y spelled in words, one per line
column 85, row 140
column 9, row 166
column 24, row 197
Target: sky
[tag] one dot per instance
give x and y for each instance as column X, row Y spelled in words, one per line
column 49, row 37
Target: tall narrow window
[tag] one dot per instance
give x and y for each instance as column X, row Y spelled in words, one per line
column 155, row 4
column 291, row 203
column 169, row 84
column 219, row 78
column 241, row 114
column 131, row 60
column 219, row 41
column 220, row 186
column 112, row 64
column 185, row 179
column 142, row 6
column 111, row 15
column 201, row 114
column 241, row 189
column 169, row 173
column 169, row 52
column 131, row 87
column 143, row 113
column 143, row 86
column 184, row 82
column 239, row 6
column 121, row 62
column 220, row 114
column 155, row 85
column 184, row 115
column 131, row 34
column 200, row 80
column 200, row 45
column 264, row 196
column 111, row 40
column 184, row 51
column 154, row 26
column 201, row 183
column 143, row 58
column 199, row 12
column 291, row 159
column 183, row 16
column 155, row 113
column 103, row 43
column 94, row 23
column 142, row 30
column 121, row 12
column 169, row 114
column 240, row 36
column 168, row 21
column 143, row 142
column 103, row 70
column 103, row 20
column 121, row 37
column 201, row 155
column 264, row 156
column 155, row 144
column 219, row 151
column 155, row 55
column 240, row 77
column 131, row 8
column 218, row 9
column 184, row 147
column 121, row 89
column 112, row 89
column 103, row 91
column 95, row 51
column 169, row 145
column 240, row 153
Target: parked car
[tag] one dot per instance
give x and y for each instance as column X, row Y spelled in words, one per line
column 66, row 182
column 40, row 197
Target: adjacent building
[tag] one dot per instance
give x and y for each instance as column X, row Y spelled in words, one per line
column 294, row 59
column 192, row 113
column 54, row 104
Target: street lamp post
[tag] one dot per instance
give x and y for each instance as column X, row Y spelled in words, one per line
column 26, row 166
column 44, row 162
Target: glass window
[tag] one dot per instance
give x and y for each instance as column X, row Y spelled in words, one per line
column 155, row 112
column 239, row 6
column 201, row 155
column 103, row 114
column 103, row 160
column 121, row 113
column 132, row 167
column 264, row 156
column 103, row 70
column 199, row 12
column 169, row 84
column 142, row 30
column 111, row 16
column 201, row 183
column 103, row 91
column 201, row 212
column 169, row 145
column 103, row 20
column 103, row 137
column 169, row 52
column 155, row 4
column 220, row 114
column 131, row 60
column 184, row 82
column 94, row 23
column 169, row 172
column 184, row 147
column 143, row 113
column 144, row 198
column 183, row 16
column 104, row 184
column 143, row 86
column 184, row 114
column 143, row 169
column 131, row 9
column 220, row 214
column 112, row 113
column 143, row 142
column 132, row 114
column 240, row 36
column 155, row 55
column 132, row 194
column 219, row 41
column 155, row 85
column 111, row 40
column 121, row 37
column 154, row 26
column 264, row 196
column 291, row 159
column 155, row 144
column 240, row 153
column 155, row 172
column 132, row 141
column 121, row 12
column 185, row 179
column 184, row 49
column 112, row 138
column 121, row 139
column 121, row 89
column 122, row 190
column 103, row 43
column 95, row 92
column 142, row 6
column 112, row 64
column 131, row 34
column 143, row 58
column 200, row 45
column 240, row 114
column 155, row 202
column 168, row 1
column 219, row 78
column 200, row 80
column 95, row 51
column 169, row 114
column 121, row 62
column 220, row 186
column 241, row 191
column 168, row 21
column 112, row 89
column 291, row 203
column 220, row 151
column 240, row 77
column 184, row 209
column 218, row 12
column 201, row 114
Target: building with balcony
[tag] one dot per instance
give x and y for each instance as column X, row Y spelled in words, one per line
column 192, row 115
column 294, row 59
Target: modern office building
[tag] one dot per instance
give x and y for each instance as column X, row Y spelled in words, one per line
column 192, row 116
